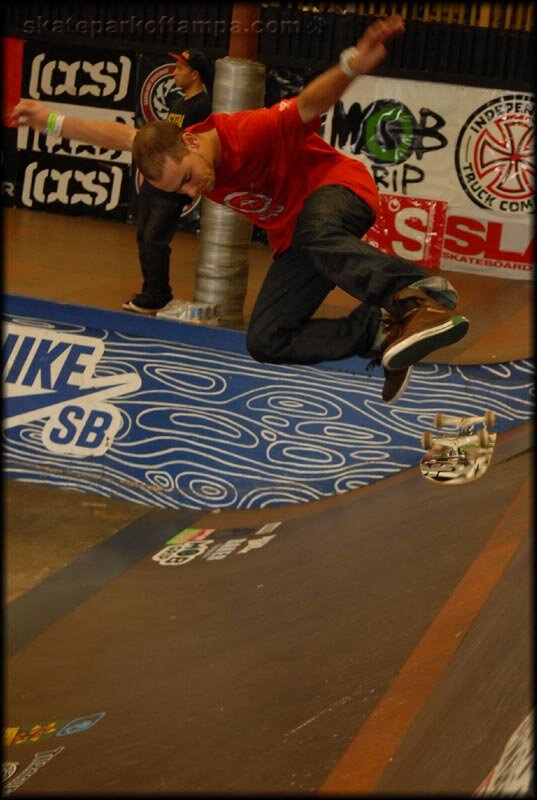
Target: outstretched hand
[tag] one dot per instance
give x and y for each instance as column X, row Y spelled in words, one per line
column 371, row 45
column 110, row 135
column 326, row 89
column 31, row 113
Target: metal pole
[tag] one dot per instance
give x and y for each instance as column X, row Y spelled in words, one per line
column 225, row 236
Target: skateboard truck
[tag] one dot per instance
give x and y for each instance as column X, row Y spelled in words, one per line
column 462, row 454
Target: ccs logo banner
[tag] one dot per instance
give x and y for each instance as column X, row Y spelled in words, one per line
column 53, row 174
column 49, row 375
column 73, row 186
column 96, row 78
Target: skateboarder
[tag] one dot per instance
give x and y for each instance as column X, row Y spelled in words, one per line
column 316, row 204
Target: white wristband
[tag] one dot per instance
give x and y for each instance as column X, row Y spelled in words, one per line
column 346, row 55
column 58, row 125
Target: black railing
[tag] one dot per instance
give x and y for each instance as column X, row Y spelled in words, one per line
column 434, row 51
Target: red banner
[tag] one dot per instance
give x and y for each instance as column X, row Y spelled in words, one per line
column 12, row 71
column 431, row 234
column 410, row 227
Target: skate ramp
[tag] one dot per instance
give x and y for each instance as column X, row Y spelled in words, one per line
column 174, row 415
column 232, row 654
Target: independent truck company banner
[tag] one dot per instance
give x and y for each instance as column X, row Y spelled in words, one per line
column 455, row 166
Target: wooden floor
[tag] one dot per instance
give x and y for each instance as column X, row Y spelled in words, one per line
column 94, row 262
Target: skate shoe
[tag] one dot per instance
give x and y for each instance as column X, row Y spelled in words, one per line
column 142, row 304
column 419, row 326
column 395, row 380
column 395, row 383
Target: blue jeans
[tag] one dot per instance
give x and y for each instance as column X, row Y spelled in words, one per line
column 157, row 217
column 327, row 251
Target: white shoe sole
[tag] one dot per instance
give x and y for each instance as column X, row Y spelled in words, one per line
column 137, row 310
column 412, row 349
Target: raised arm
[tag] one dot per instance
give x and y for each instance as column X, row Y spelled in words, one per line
column 112, row 135
column 325, row 90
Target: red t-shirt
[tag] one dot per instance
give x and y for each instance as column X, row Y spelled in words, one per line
column 271, row 162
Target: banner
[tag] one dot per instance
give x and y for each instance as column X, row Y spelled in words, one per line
column 85, row 75
column 68, row 176
column 433, row 234
column 455, row 166
column 73, row 186
column 13, row 52
column 155, row 87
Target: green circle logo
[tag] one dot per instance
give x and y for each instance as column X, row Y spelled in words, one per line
column 388, row 132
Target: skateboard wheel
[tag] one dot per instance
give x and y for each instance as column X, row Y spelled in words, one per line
column 427, row 440
column 490, row 419
column 439, row 420
column 483, row 438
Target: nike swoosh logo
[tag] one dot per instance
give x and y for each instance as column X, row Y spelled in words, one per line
column 40, row 405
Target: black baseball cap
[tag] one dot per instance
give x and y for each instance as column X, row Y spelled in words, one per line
column 196, row 60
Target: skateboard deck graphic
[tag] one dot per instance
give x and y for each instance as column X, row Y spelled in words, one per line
column 460, row 454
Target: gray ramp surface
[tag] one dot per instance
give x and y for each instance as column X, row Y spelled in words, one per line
column 252, row 672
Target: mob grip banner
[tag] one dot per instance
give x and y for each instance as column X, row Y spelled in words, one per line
column 455, row 167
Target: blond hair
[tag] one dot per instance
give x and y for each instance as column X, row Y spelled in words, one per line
column 155, row 141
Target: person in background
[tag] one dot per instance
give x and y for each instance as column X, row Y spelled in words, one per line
column 158, row 211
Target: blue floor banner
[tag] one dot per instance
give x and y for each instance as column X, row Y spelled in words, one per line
column 178, row 415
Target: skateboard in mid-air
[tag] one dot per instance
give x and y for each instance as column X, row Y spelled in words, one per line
column 461, row 454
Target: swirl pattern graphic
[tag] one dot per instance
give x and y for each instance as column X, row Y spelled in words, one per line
column 213, row 429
